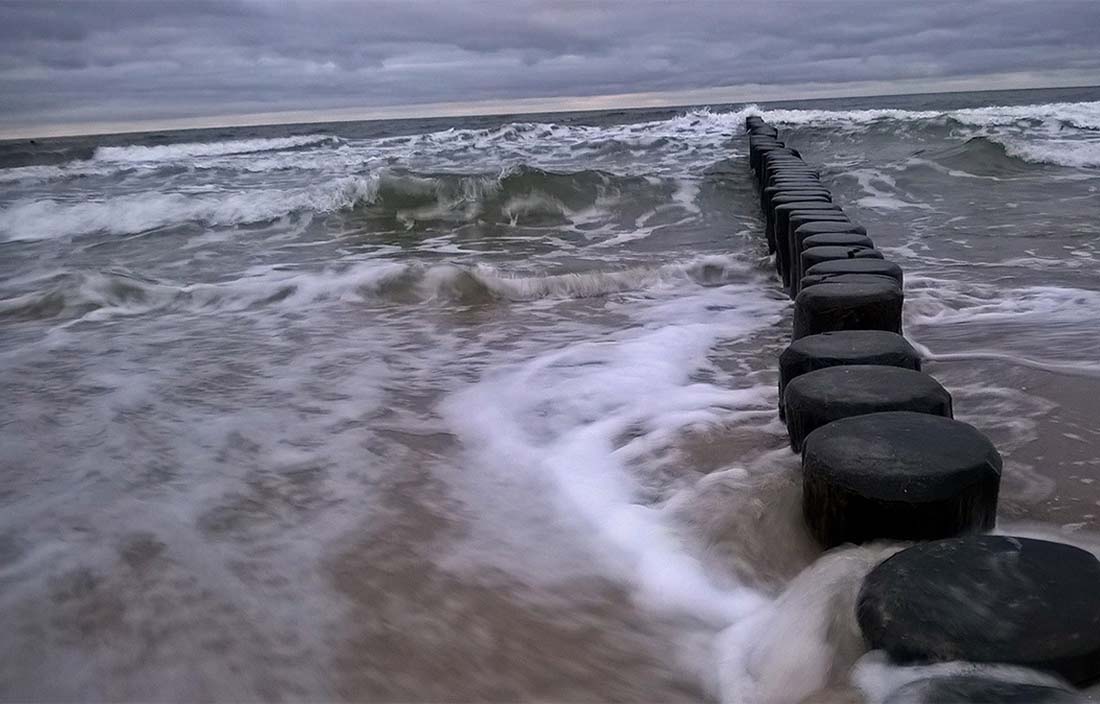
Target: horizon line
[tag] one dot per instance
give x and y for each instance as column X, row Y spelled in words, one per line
column 717, row 96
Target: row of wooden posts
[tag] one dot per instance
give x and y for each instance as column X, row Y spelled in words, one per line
column 883, row 459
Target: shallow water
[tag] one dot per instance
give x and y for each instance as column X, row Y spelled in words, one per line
column 484, row 410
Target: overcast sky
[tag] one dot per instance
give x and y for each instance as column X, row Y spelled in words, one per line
column 107, row 61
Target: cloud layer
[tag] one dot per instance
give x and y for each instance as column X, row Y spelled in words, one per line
column 128, row 59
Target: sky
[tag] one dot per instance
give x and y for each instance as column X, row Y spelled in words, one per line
column 67, row 67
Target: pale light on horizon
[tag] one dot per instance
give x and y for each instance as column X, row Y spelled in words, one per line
column 719, row 95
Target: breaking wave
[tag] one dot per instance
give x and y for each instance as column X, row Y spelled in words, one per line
column 1058, row 134
column 522, row 194
column 143, row 212
column 68, row 295
column 190, row 150
column 1059, row 152
column 979, row 156
column 1085, row 115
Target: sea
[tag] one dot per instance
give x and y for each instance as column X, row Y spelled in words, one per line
column 484, row 409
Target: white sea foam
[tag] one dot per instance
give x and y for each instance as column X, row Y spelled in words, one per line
column 101, row 295
column 189, row 150
column 1051, row 327
column 558, row 416
column 934, row 301
column 877, row 678
column 1084, row 115
column 586, row 202
column 877, row 198
column 1033, row 133
column 841, row 117
column 1060, row 152
column 807, row 639
column 48, row 172
column 698, row 137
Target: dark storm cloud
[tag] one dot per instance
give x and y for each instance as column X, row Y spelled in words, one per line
column 65, row 62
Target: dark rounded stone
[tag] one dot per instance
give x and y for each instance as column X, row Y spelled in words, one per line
column 975, row 689
column 796, row 195
column 774, row 169
column 824, row 239
column 800, row 174
column 790, row 174
column 805, row 225
column 779, row 210
column 758, row 154
column 767, row 194
column 783, row 160
column 845, row 347
column 783, row 241
column 845, row 279
column 789, row 179
column 756, row 141
column 793, row 185
column 761, row 140
column 800, row 228
column 821, row 222
column 797, row 184
column 816, row 255
column 803, row 217
column 784, row 157
column 782, row 179
column 784, row 188
column 844, row 306
column 758, row 145
column 794, row 182
column 791, row 196
column 775, row 163
column 768, row 199
column 882, row 267
column 809, row 228
column 764, row 130
column 898, row 475
column 832, row 349
column 776, row 223
column 790, row 156
column 815, row 398
column 837, row 239
column 987, row 599
column 801, row 195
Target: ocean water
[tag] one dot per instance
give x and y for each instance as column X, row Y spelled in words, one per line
column 483, row 409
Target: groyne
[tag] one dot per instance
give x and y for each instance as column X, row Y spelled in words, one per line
column 884, row 459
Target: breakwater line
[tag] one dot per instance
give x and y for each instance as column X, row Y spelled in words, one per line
column 883, row 459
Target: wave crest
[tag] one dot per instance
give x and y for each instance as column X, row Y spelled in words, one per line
column 190, row 150
column 143, row 212
column 1083, row 115
column 1058, row 134
column 77, row 294
column 518, row 195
